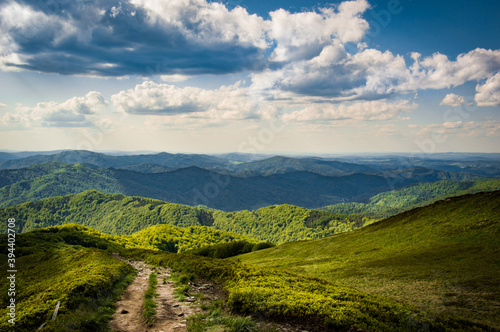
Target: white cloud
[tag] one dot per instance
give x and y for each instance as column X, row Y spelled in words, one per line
column 489, row 128
column 74, row 112
column 452, row 99
column 488, row 94
column 359, row 111
column 174, row 78
column 303, row 35
column 3, row 105
column 225, row 103
column 438, row 72
column 371, row 74
column 130, row 37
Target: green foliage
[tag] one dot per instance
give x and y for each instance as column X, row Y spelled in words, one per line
column 181, row 284
column 149, row 311
column 230, row 249
column 187, row 185
column 52, row 179
column 179, row 239
column 73, row 273
column 441, row 258
column 279, row 294
column 119, row 215
column 393, row 202
column 285, row 223
column 50, row 270
column 217, row 320
column 110, row 213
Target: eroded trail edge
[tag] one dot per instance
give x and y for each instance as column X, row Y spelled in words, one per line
column 170, row 314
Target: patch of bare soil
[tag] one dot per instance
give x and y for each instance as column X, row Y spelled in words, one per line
column 170, row 314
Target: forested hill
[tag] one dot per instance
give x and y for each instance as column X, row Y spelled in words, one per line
column 117, row 214
column 196, row 186
column 389, row 203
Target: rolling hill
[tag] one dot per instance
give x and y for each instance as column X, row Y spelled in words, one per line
column 72, row 267
column 487, row 165
column 117, row 214
column 442, row 258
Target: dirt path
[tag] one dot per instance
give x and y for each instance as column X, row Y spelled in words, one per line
column 170, row 314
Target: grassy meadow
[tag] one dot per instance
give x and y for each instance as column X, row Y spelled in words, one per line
column 443, row 258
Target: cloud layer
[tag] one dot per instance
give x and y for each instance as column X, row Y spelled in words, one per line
column 74, row 112
column 111, row 38
column 303, row 54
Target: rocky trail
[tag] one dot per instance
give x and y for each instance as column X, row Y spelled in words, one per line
column 170, row 314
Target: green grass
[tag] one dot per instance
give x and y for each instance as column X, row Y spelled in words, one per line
column 181, row 285
column 215, row 319
column 149, row 311
column 451, row 247
column 444, row 258
column 86, row 281
column 284, row 295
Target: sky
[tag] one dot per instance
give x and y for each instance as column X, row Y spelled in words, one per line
column 198, row 76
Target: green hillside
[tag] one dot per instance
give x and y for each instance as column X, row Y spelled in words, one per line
column 73, row 265
column 51, row 270
column 443, row 258
column 53, row 179
column 285, row 223
column 119, row 215
column 393, row 202
column 179, row 239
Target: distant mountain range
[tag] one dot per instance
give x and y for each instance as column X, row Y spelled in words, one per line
column 243, row 165
column 197, row 186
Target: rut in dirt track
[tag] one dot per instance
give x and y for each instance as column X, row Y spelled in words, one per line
column 170, row 314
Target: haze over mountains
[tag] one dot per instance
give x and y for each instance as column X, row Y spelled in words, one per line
column 224, row 182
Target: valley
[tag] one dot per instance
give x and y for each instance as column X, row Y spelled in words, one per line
column 411, row 249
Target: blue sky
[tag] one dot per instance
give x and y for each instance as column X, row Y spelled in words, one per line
column 250, row 76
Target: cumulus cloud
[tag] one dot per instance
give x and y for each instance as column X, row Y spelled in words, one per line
column 303, row 35
column 488, row 94
column 438, row 72
column 452, row 99
column 372, row 74
column 112, row 38
column 359, row 111
column 149, row 98
column 289, row 55
column 74, row 112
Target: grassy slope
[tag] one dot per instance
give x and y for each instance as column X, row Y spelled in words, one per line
column 50, row 270
column 443, row 258
column 393, row 202
column 64, row 264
